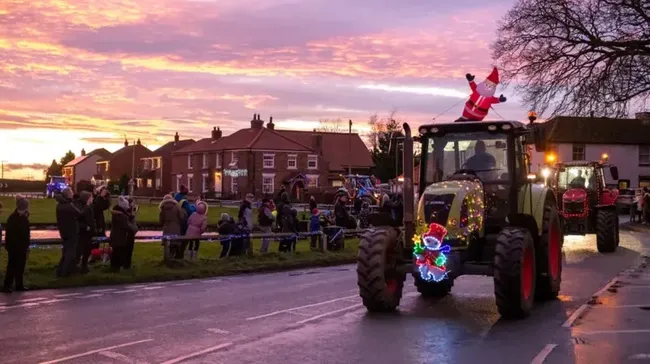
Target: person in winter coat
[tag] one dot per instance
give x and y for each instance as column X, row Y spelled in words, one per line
column 172, row 218
column 101, row 203
column 130, row 238
column 363, row 215
column 67, row 220
column 341, row 212
column 196, row 226
column 188, row 208
column 265, row 221
column 245, row 218
column 314, row 226
column 122, row 226
column 86, row 229
column 283, row 200
column 226, row 227
column 312, row 203
column 1, row 207
column 17, row 245
column 289, row 225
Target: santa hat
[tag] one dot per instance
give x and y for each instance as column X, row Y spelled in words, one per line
column 436, row 231
column 494, row 76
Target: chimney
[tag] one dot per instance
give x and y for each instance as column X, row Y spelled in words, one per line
column 256, row 123
column 317, row 143
column 216, row 133
column 126, row 143
column 138, row 142
column 177, row 138
column 270, row 124
column 83, row 152
column 643, row 116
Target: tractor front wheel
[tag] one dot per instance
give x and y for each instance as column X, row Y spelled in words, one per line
column 432, row 289
column 606, row 230
column 514, row 272
column 380, row 282
column 549, row 257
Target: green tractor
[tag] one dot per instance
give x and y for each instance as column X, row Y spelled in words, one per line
column 479, row 213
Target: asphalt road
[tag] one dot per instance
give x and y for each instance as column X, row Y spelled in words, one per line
column 310, row 316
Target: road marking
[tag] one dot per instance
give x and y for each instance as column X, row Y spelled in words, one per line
column 138, row 286
column 67, row 295
column 154, row 287
column 604, row 289
column 542, row 355
column 211, row 281
column 104, row 290
column 126, row 291
column 29, row 304
column 54, row 300
column 218, row 331
column 622, row 306
column 604, row 332
column 119, row 357
column 639, row 356
column 181, row 284
column 328, row 314
column 300, row 307
column 32, row 300
column 198, row 353
column 95, row 351
column 92, row 295
column 574, row 316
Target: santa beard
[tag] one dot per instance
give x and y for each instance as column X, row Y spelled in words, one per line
column 486, row 89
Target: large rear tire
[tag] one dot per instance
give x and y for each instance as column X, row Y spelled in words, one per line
column 549, row 255
column 514, row 272
column 606, row 230
column 432, row 289
column 380, row 282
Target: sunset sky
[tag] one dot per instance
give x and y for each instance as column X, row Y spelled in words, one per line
column 83, row 74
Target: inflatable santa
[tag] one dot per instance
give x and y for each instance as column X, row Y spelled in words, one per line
column 482, row 97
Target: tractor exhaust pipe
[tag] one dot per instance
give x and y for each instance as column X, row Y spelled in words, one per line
column 408, row 194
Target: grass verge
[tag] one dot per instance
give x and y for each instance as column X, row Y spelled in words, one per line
column 148, row 265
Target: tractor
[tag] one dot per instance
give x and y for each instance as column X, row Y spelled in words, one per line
column 479, row 213
column 585, row 204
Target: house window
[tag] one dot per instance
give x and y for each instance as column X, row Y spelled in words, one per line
column 147, row 164
column 205, row 183
column 312, row 162
column 234, row 185
column 578, row 152
column 189, row 161
column 337, row 183
column 190, row 182
column 269, row 160
column 233, row 159
column 158, row 183
column 205, row 160
column 292, row 162
column 138, row 182
column 178, row 182
column 149, row 183
column 312, row 180
column 644, row 155
column 218, row 161
column 155, row 163
column 268, row 183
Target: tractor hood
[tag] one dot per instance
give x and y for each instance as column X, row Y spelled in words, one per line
column 574, row 195
column 456, row 205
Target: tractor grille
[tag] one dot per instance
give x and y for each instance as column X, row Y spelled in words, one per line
column 436, row 208
column 573, row 207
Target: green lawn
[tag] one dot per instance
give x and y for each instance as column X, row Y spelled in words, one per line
column 148, row 266
column 42, row 211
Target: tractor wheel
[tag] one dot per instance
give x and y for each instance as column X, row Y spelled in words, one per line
column 514, row 272
column 549, row 255
column 618, row 234
column 606, row 230
column 380, row 283
column 432, row 289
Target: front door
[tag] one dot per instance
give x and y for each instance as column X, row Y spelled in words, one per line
column 217, row 184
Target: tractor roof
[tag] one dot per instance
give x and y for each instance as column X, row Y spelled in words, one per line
column 472, row 126
column 581, row 164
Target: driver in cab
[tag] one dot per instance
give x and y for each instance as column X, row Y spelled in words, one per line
column 481, row 160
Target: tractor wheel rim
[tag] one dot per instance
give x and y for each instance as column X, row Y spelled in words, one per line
column 527, row 273
column 554, row 251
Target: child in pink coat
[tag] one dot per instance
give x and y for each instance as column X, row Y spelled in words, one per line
column 196, row 226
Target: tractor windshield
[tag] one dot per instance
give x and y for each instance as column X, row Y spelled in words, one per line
column 58, row 180
column 481, row 153
column 578, row 177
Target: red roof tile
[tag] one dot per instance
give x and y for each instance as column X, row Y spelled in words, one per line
column 339, row 149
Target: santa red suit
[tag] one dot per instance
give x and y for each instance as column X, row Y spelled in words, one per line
column 482, row 97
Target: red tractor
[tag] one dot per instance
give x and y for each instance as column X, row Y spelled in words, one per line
column 586, row 205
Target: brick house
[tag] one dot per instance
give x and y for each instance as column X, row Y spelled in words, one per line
column 258, row 160
column 625, row 141
column 120, row 163
column 84, row 166
column 156, row 178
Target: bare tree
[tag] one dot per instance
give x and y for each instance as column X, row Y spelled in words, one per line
column 331, row 125
column 582, row 57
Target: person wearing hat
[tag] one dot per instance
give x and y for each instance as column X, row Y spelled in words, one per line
column 314, row 226
column 122, row 227
column 67, row 220
column 86, row 229
column 265, row 220
column 17, row 245
column 245, row 217
column 101, row 203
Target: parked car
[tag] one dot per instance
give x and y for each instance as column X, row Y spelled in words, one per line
column 56, row 185
column 624, row 200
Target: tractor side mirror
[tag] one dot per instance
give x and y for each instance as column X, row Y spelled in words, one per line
column 613, row 170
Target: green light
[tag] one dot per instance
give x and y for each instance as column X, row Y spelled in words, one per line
column 441, row 260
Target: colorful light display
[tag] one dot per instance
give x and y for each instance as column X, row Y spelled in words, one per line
column 430, row 253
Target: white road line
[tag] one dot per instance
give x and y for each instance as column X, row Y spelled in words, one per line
column 329, row 314
column 603, row 332
column 574, row 316
column 300, row 307
column 218, row 331
column 604, row 289
column 95, row 351
column 154, row 287
column 138, row 286
column 211, row 281
column 198, row 353
column 119, row 357
column 126, row 291
column 32, row 300
column 54, row 300
column 67, row 295
column 621, row 306
column 542, row 355
column 104, row 290
column 639, row 357
column 181, row 284
column 25, row 305
column 92, row 295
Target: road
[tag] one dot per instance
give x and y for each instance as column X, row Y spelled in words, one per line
column 309, row 316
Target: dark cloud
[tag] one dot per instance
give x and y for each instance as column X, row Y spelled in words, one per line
column 9, row 167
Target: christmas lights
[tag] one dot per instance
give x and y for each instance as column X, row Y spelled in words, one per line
column 430, row 253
